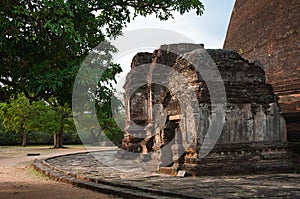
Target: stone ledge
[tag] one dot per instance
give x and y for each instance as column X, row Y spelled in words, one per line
column 257, row 158
column 123, row 190
column 88, row 171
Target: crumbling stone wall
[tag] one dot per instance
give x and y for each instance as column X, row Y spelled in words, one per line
column 156, row 111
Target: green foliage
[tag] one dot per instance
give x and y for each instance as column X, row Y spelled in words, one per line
column 17, row 115
column 44, row 118
column 64, row 114
column 109, row 127
column 107, row 108
column 36, row 138
column 43, row 43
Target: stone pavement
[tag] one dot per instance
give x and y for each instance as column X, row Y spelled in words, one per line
column 104, row 172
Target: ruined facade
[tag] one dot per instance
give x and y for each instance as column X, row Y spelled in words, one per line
column 268, row 32
column 172, row 112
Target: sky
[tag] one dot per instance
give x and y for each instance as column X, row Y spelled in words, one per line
column 208, row 29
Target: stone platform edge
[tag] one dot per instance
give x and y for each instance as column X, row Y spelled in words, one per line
column 101, row 185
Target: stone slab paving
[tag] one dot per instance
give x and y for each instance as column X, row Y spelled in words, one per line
column 104, row 168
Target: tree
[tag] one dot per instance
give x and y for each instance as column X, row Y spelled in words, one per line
column 64, row 122
column 20, row 116
column 16, row 116
column 106, row 116
column 44, row 42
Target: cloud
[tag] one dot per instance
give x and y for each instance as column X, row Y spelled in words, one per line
column 209, row 29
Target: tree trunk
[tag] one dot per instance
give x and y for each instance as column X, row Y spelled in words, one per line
column 55, row 139
column 24, row 138
column 58, row 139
column 61, row 137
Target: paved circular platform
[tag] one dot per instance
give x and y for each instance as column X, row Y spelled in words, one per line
column 104, row 172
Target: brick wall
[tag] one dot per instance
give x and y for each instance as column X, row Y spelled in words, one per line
column 269, row 32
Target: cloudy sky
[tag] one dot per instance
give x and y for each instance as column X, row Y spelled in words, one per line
column 208, row 29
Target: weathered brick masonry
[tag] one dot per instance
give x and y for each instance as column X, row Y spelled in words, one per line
column 269, row 32
column 174, row 131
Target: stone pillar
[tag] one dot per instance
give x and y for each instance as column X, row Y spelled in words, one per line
column 127, row 113
column 149, row 127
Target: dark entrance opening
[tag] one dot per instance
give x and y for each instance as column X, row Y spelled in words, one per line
column 172, row 126
column 293, row 130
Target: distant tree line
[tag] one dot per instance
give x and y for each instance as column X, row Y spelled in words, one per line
column 37, row 123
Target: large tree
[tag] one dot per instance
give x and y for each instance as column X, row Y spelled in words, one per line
column 43, row 42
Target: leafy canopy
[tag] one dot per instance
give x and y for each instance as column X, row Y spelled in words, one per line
column 43, row 42
column 19, row 116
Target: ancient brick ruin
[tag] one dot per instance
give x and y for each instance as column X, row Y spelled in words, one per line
column 269, row 32
column 161, row 123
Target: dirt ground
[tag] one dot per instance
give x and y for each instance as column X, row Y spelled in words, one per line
column 19, row 180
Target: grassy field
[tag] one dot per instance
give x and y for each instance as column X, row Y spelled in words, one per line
column 17, row 151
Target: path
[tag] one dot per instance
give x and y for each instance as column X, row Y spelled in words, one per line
column 19, row 180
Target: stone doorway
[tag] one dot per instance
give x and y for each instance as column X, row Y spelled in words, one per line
column 172, row 150
column 168, row 140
